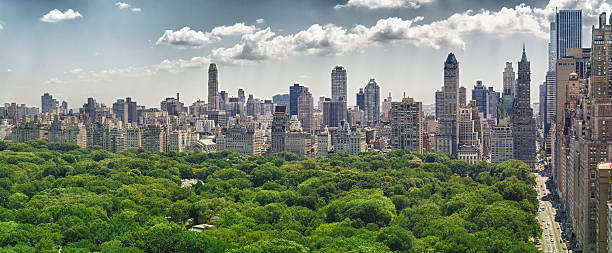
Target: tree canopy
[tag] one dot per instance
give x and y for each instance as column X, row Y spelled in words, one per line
column 56, row 196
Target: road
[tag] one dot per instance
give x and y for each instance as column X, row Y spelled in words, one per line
column 546, row 217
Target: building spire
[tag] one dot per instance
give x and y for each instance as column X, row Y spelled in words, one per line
column 524, row 56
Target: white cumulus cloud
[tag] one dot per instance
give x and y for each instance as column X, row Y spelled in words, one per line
column 260, row 21
column 331, row 39
column 188, row 38
column 378, row 4
column 56, row 15
column 136, row 9
column 1, row 27
column 122, row 5
column 184, row 38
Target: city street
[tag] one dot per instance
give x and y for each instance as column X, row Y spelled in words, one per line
column 551, row 240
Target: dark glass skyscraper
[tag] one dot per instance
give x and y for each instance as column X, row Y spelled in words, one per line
column 294, row 92
column 524, row 131
column 569, row 31
column 361, row 99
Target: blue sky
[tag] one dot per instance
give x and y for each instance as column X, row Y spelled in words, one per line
column 152, row 49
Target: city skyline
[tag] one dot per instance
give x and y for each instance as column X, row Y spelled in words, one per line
column 161, row 54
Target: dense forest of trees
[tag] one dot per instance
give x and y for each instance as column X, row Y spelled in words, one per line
column 59, row 196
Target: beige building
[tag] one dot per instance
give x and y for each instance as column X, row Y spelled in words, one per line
column 407, row 125
column 242, row 139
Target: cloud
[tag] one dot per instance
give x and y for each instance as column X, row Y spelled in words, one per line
column 56, row 15
column 331, row 39
column 187, row 38
column 136, row 9
column 1, row 27
column 9, row 70
column 379, row 4
column 122, row 5
column 451, row 32
column 233, row 30
column 184, row 38
column 259, row 21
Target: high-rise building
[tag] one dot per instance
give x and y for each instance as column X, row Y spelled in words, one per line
column 333, row 112
column 121, row 110
column 439, row 104
column 462, row 97
column 372, row 102
column 153, row 138
column 507, row 98
column 486, row 99
column 447, row 140
column 551, row 100
column 305, row 110
column 361, row 99
column 470, row 134
column 509, row 77
column 386, row 108
column 346, row 141
column 213, row 88
column 294, row 92
column 253, row 106
column 242, row 139
column 280, row 125
column 132, row 111
column 323, row 143
column 48, row 104
column 407, row 125
column 568, row 31
column 338, row 83
column 552, row 47
column 502, row 142
column 524, row 130
column 590, row 142
column 281, row 100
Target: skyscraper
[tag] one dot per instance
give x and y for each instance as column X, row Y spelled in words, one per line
column 120, row 109
column 372, row 102
column 361, row 99
column 501, row 142
column 552, row 47
column 338, row 83
column 305, row 110
column 281, row 100
column 213, row 88
column 590, row 146
column 334, row 112
column 462, row 97
column 294, row 92
column 280, row 125
column 524, row 131
column 48, row 104
column 447, row 140
column 439, row 104
column 569, row 31
column 509, row 77
column 407, row 125
column 486, row 99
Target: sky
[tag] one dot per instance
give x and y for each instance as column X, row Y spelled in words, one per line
column 150, row 50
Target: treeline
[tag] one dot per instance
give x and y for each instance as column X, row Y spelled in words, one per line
column 59, row 196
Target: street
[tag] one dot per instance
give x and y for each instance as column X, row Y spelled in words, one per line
column 551, row 240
